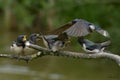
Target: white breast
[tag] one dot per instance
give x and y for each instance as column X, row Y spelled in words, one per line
column 15, row 49
column 93, row 51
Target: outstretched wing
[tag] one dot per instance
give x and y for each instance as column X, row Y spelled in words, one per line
column 62, row 28
column 79, row 29
column 76, row 28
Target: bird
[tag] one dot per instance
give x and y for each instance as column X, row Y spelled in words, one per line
column 92, row 47
column 19, row 47
column 33, row 38
column 80, row 27
column 55, row 42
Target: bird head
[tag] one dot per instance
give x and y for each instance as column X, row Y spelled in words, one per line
column 21, row 39
column 33, row 38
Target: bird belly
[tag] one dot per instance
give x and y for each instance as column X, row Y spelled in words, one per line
column 91, row 51
column 16, row 49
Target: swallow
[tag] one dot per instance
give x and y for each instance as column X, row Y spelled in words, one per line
column 33, row 38
column 19, row 46
column 80, row 27
column 92, row 47
column 55, row 42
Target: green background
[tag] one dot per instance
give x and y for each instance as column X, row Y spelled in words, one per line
column 34, row 16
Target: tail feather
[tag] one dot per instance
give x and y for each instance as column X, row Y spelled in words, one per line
column 105, row 44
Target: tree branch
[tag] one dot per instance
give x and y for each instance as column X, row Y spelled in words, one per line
column 20, row 57
column 44, row 51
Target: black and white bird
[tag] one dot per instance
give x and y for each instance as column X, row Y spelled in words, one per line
column 92, row 47
column 80, row 27
column 55, row 42
column 18, row 46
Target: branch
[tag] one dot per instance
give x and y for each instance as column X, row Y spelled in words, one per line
column 46, row 51
column 20, row 57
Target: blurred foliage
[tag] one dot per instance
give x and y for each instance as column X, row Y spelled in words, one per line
column 39, row 15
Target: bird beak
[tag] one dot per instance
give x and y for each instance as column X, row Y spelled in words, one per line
column 24, row 38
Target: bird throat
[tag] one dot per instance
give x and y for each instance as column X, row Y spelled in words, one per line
column 21, row 44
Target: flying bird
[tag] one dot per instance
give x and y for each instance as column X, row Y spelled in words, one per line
column 55, row 42
column 80, row 27
column 93, row 47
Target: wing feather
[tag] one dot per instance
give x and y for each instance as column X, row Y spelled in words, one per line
column 74, row 28
column 62, row 28
column 78, row 29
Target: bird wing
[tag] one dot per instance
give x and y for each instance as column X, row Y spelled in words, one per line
column 74, row 28
column 78, row 29
column 62, row 28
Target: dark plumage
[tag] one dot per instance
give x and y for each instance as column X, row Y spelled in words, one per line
column 55, row 42
column 19, row 47
column 90, row 46
column 33, row 38
column 80, row 27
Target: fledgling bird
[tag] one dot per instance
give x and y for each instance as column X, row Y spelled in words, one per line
column 80, row 27
column 55, row 42
column 90, row 46
column 33, row 38
column 19, row 47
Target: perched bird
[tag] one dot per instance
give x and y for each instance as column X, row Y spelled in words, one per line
column 33, row 38
column 80, row 27
column 55, row 42
column 19, row 47
column 90, row 46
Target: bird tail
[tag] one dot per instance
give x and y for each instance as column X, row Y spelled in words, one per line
column 106, row 43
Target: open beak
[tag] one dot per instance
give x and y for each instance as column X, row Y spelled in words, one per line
column 24, row 38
